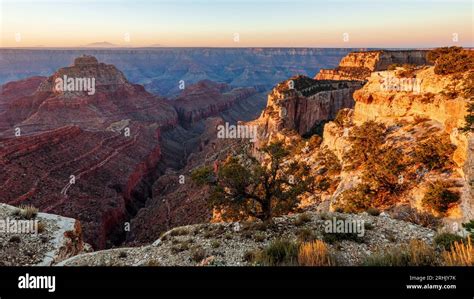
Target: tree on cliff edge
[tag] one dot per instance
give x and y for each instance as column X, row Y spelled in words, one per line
column 246, row 188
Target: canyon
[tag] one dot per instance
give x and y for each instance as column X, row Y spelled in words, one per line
column 438, row 108
column 95, row 157
column 143, row 178
column 160, row 70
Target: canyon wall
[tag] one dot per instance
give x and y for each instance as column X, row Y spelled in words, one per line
column 205, row 99
column 300, row 104
column 437, row 106
column 114, row 143
column 160, row 70
column 359, row 65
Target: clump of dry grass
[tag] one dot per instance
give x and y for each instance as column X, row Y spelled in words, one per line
column 315, row 253
column 416, row 253
column 461, row 254
column 26, row 211
column 41, row 227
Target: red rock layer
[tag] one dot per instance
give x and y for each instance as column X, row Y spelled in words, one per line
column 207, row 98
column 107, row 167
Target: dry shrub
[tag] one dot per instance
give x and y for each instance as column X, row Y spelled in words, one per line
column 460, row 254
column 409, row 214
column 416, row 253
column 27, row 211
column 421, row 254
column 315, row 253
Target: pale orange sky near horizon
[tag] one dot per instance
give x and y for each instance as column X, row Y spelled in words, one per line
column 221, row 23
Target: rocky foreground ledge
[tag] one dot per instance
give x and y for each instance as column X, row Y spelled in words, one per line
column 233, row 244
column 29, row 238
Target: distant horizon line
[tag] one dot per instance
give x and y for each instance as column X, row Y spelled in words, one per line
column 217, row 47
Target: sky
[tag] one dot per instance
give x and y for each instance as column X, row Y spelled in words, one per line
column 232, row 23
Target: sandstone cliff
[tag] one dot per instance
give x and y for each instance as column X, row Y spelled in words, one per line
column 436, row 107
column 300, row 104
column 359, row 65
column 414, row 104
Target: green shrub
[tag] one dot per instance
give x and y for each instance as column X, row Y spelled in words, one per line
column 329, row 162
column 337, row 237
column 259, row 237
column 434, row 152
column 469, row 126
column 279, row 253
column 215, row 244
column 439, row 197
column 366, row 141
column 409, row 214
column 469, row 226
column 356, row 199
column 445, row 240
column 180, row 246
column 202, row 175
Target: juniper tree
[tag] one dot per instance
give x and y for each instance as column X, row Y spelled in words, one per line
column 248, row 188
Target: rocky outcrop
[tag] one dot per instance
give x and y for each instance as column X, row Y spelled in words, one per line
column 300, row 104
column 441, row 98
column 48, row 240
column 111, row 99
column 437, row 106
column 359, row 65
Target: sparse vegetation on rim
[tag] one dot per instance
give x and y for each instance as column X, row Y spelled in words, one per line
column 450, row 60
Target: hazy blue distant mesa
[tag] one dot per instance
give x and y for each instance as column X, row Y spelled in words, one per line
column 161, row 69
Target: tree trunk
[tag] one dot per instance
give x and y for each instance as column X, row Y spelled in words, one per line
column 267, row 211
